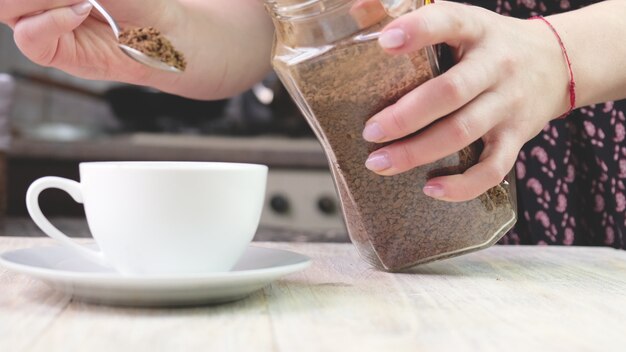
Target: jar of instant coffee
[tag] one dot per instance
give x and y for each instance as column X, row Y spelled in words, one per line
column 327, row 55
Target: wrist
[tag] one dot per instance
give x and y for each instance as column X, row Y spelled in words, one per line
column 593, row 37
column 554, row 71
column 571, row 85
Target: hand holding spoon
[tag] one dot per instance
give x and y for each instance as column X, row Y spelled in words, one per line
column 131, row 52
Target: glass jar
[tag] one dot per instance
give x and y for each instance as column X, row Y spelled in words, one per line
column 327, row 55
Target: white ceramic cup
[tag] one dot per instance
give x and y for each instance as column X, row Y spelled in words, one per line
column 162, row 218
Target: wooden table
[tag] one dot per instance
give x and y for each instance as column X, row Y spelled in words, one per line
column 501, row 299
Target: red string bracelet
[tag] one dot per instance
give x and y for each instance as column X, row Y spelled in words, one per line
column 572, row 83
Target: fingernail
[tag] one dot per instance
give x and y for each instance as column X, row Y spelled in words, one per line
column 373, row 132
column 434, row 191
column 392, row 38
column 378, row 161
column 82, row 9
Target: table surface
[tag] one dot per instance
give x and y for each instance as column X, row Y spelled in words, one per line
column 500, row 299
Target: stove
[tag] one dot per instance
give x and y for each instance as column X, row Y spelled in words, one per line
column 302, row 200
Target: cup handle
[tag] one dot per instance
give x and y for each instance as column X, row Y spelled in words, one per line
column 73, row 188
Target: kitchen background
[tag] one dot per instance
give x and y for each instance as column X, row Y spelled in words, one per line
column 58, row 121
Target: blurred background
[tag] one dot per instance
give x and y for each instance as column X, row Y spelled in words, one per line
column 50, row 122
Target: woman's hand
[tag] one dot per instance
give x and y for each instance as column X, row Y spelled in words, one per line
column 68, row 35
column 510, row 80
column 226, row 42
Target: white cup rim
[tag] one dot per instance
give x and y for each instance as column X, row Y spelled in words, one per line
column 172, row 165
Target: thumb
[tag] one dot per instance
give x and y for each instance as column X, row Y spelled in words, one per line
column 38, row 36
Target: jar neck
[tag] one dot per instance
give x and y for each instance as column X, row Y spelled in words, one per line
column 300, row 9
column 319, row 22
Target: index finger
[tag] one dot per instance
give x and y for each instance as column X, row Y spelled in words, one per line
column 441, row 22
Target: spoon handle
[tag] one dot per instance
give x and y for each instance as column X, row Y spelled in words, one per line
column 107, row 17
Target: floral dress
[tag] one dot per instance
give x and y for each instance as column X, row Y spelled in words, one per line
column 571, row 178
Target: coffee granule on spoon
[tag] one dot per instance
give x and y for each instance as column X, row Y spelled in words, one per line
column 151, row 42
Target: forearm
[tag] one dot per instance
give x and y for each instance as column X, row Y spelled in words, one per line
column 594, row 38
column 227, row 44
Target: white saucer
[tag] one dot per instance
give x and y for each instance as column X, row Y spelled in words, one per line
column 62, row 269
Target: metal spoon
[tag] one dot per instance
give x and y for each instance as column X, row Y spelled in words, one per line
column 132, row 53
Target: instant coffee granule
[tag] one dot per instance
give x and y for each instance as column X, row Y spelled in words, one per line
column 151, row 42
column 390, row 220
